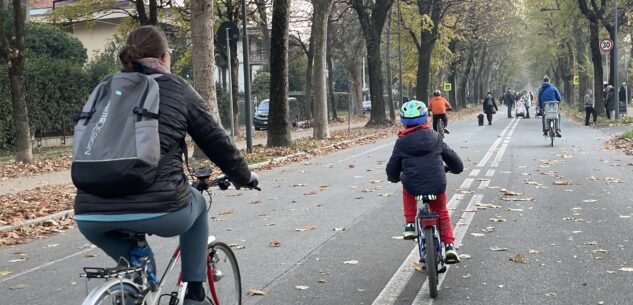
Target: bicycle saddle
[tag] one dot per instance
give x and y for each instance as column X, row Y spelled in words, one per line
column 127, row 234
column 426, row 197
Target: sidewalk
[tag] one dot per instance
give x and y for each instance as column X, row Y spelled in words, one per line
column 62, row 177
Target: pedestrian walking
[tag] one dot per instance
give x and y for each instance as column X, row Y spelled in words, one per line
column 589, row 106
column 528, row 103
column 611, row 102
column 508, row 100
column 490, row 107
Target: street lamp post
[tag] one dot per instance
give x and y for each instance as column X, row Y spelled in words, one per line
column 248, row 116
column 616, row 80
column 400, row 56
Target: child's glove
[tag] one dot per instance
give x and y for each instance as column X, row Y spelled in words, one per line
column 393, row 179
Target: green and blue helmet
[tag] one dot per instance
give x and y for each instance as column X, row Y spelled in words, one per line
column 413, row 113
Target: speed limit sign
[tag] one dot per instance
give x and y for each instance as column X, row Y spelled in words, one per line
column 606, row 45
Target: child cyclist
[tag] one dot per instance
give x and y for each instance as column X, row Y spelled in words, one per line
column 418, row 160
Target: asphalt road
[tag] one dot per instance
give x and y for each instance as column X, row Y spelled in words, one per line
column 574, row 237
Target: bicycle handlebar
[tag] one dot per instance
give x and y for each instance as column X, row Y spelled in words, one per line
column 203, row 183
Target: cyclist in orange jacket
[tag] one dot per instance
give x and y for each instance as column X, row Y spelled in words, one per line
column 438, row 106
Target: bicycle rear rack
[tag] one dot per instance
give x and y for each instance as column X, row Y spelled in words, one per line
column 108, row 273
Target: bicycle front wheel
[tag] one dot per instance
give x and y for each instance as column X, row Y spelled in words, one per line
column 431, row 260
column 114, row 292
column 225, row 283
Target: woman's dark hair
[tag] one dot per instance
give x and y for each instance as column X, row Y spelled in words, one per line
column 144, row 42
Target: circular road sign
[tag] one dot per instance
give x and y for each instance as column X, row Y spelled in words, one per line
column 234, row 33
column 606, row 45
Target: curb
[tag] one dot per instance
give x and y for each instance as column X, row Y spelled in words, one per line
column 70, row 213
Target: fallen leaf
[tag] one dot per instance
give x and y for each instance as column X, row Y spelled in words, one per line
column 351, row 166
column 256, row 201
column 417, row 266
column 398, row 237
column 466, row 276
column 17, row 260
column 310, row 193
column 519, row 258
column 237, row 247
column 495, row 248
column 352, row 262
column 465, row 256
column 600, row 251
column 497, row 219
column 302, row 287
column 252, row 292
column 484, row 206
column 626, row 269
column 5, row 272
column 478, row 234
column 534, row 251
column 375, row 181
column 322, row 281
column 305, row 229
column 515, row 210
column 562, row 182
column 339, row 229
column 298, row 185
column 89, row 255
column 229, row 212
column 589, row 200
column 488, row 229
column 517, row 199
column 510, row 193
column 274, row 244
column 18, row 286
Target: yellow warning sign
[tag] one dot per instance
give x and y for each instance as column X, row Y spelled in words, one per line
column 448, row 87
column 575, row 81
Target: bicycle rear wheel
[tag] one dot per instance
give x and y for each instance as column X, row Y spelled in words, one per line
column 440, row 127
column 551, row 132
column 113, row 292
column 431, row 261
column 226, row 288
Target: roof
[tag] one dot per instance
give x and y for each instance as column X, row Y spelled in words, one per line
column 41, row 3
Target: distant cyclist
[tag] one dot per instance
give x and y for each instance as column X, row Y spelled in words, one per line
column 418, row 160
column 549, row 94
column 438, row 106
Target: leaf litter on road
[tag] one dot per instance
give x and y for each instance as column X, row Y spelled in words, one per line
column 254, row 292
column 305, row 229
column 301, row 287
column 351, row 262
column 519, row 258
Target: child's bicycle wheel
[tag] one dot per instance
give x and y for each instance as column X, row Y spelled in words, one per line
column 431, row 261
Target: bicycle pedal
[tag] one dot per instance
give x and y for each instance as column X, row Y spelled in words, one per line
column 442, row 270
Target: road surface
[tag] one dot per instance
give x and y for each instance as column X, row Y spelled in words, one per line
column 572, row 239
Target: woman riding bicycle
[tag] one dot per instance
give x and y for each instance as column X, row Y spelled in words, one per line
column 418, row 160
column 168, row 207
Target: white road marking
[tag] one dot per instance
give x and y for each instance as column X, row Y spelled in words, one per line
column 484, row 184
column 490, row 173
column 467, row 183
column 460, row 230
column 454, row 202
column 495, row 162
column 474, row 172
column 492, row 148
column 44, row 265
column 365, row 152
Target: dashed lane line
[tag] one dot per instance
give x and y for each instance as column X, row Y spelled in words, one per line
column 467, row 183
column 490, row 173
column 502, row 150
column 492, row 148
column 474, row 173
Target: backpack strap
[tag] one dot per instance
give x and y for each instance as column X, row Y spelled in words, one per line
column 140, row 110
column 103, row 89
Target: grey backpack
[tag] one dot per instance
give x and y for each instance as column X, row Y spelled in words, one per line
column 116, row 148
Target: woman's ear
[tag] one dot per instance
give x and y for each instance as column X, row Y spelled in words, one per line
column 166, row 58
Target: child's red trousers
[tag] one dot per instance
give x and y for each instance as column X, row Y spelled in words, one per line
column 438, row 206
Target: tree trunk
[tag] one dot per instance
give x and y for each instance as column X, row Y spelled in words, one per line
column 433, row 9
column 320, row 24
column 278, row 118
column 596, row 60
column 330, row 84
column 263, row 26
column 478, row 78
column 372, row 25
column 12, row 52
column 355, row 77
column 203, row 60
column 583, row 78
column 465, row 76
column 390, row 106
column 307, row 94
column 235, row 88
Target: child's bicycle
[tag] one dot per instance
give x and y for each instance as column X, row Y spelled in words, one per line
column 428, row 234
column 136, row 282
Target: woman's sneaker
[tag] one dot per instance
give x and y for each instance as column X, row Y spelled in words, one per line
column 451, row 254
column 409, row 231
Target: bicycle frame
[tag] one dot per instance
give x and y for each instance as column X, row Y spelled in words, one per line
column 426, row 219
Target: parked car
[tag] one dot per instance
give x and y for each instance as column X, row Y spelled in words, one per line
column 260, row 117
column 366, row 106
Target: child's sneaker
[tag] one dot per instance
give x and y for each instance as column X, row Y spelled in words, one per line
column 409, row 231
column 451, row 254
